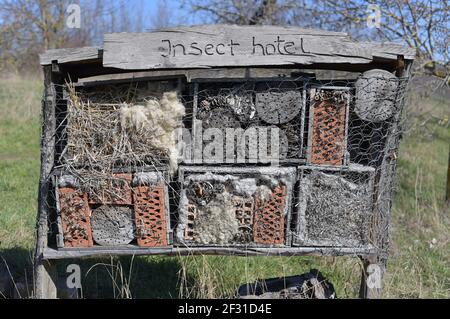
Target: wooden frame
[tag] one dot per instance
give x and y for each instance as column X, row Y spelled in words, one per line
column 129, row 57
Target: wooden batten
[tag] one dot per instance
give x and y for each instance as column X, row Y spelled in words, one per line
column 71, row 55
column 54, row 254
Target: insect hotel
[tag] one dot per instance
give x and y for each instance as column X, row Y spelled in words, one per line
column 249, row 141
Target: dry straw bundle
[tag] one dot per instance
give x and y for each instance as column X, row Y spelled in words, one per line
column 122, row 126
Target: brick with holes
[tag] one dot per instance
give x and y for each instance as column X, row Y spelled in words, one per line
column 327, row 144
column 75, row 217
column 234, row 206
column 150, row 210
column 268, row 227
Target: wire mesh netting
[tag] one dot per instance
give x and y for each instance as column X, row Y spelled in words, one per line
column 235, row 205
column 250, row 106
column 122, row 176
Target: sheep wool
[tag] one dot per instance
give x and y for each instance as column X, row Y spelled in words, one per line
column 157, row 121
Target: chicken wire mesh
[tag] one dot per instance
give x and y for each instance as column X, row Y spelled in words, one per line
column 339, row 136
column 335, row 208
column 248, row 107
column 234, row 206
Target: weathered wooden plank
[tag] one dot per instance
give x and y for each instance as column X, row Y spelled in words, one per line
column 335, row 44
column 237, row 73
column 217, row 46
column 131, row 76
column 51, row 253
column 70, row 55
column 217, row 73
column 205, row 74
column 372, row 275
column 389, row 50
column 328, row 75
column 44, row 279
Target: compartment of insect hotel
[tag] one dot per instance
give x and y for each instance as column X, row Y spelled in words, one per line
column 119, row 210
column 116, row 156
column 223, row 206
column 328, row 118
column 253, row 107
column 334, row 206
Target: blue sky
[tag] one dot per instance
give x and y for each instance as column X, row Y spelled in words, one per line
column 179, row 14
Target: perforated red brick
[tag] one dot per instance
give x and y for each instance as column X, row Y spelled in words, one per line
column 150, row 217
column 244, row 207
column 268, row 226
column 75, row 218
column 112, row 191
column 244, row 210
column 191, row 215
column 328, row 133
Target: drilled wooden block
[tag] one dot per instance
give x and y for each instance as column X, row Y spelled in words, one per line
column 268, row 227
column 75, row 219
column 112, row 225
column 278, row 107
column 328, row 127
column 376, row 93
column 150, row 216
column 111, row 191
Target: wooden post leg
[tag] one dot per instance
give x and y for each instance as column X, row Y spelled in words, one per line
column 371, row 278
column 45, row 280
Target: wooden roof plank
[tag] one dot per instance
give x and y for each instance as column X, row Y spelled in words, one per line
column 70, row 55
column 239, row 46
column 215, row 46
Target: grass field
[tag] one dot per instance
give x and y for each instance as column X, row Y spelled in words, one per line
column 419, row 266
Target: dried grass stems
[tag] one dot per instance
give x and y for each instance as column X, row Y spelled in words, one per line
column 99, row 142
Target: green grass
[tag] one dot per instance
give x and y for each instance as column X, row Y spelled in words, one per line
column 19, row 161
column 415, row 268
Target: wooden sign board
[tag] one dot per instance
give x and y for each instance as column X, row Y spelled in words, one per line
column 229, row 45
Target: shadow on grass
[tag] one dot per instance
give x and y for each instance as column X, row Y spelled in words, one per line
column 16, row 273
column 117, row 277
column 125, row 277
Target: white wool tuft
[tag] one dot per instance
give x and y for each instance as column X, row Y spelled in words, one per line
column 159, row 119
column 133, row 117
